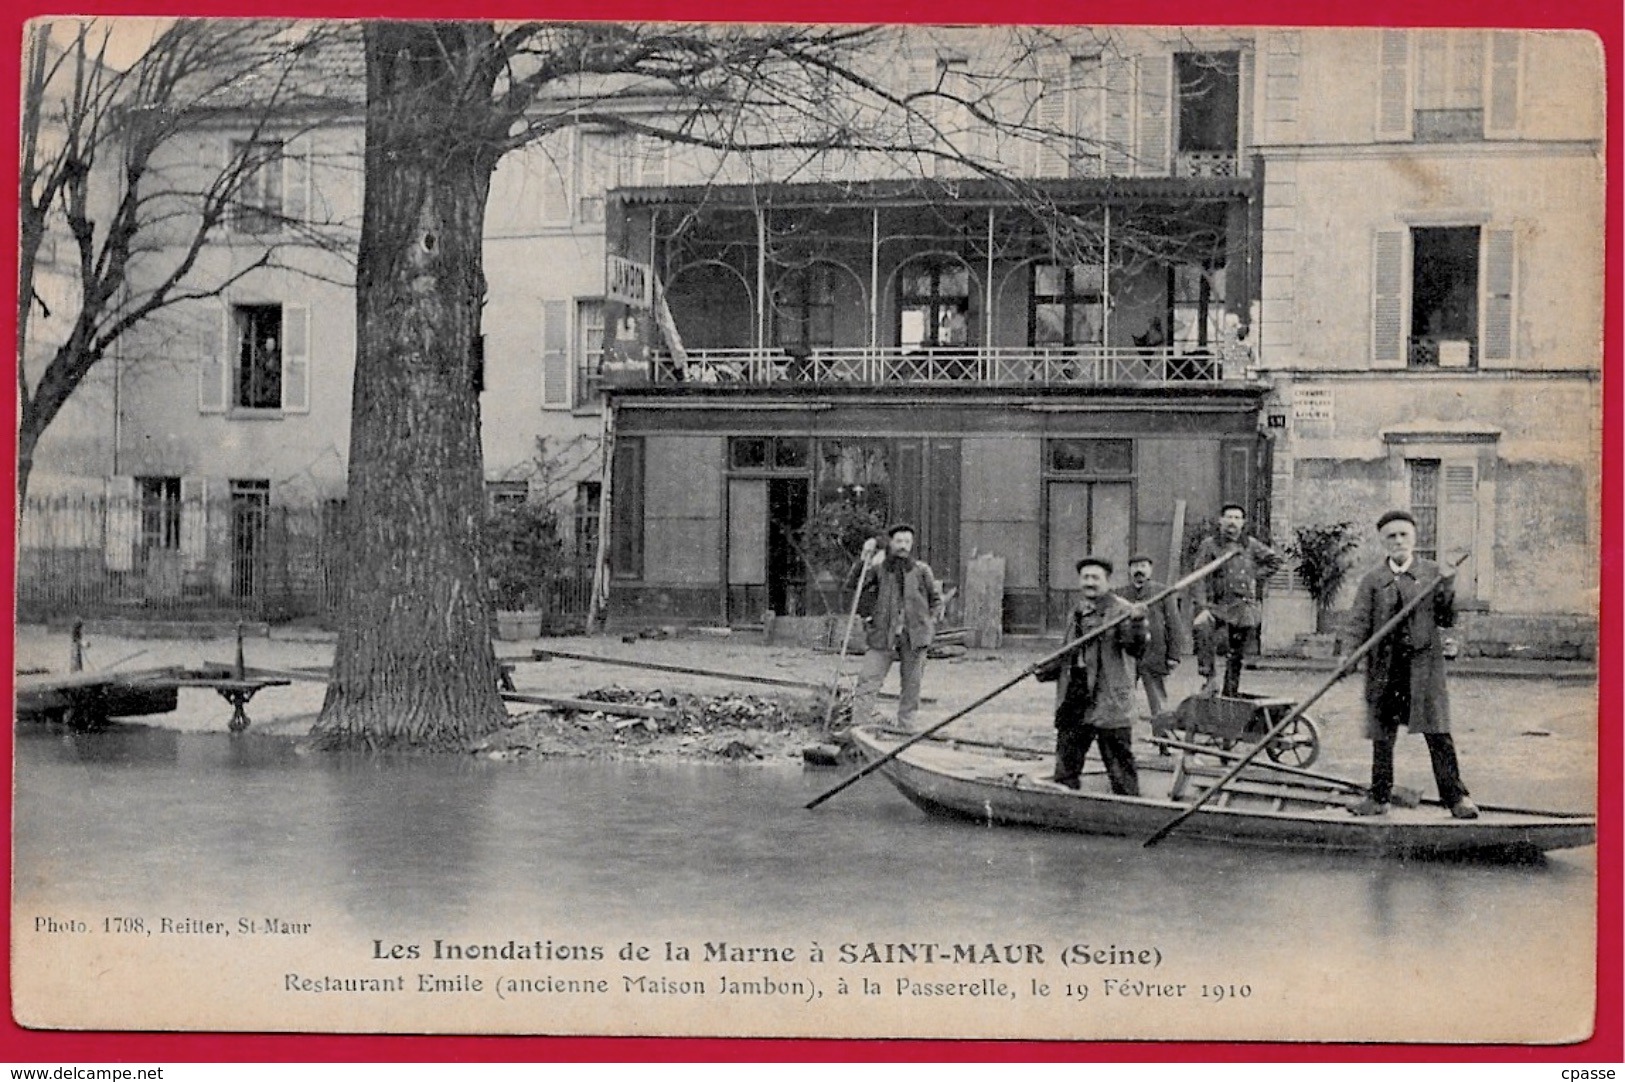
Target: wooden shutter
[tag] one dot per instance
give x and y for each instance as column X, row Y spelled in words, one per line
column 1054, row 146
column 1500, row 273
column 1119, row 115
column 1458, row 522
column 626, row 510
column 118, row 539
column 295, row 358
column 1501, row 110
column 1244, row 111
column 1155, row 127
column 213, row 363
column 555, row 355
column 194, row 521
column 1086, row 116
column 295, row 184
column 1394, row 85
column 1388, row 337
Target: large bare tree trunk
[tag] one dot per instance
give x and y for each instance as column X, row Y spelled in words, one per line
column 414, row 663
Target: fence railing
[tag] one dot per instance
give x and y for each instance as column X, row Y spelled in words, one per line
column 95, row 556
column 999, row 366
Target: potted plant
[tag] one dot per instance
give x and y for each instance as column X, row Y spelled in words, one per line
column 523, row 551
column 1324, row 554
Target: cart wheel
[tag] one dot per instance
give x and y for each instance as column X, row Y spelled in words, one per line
column 1298, row 744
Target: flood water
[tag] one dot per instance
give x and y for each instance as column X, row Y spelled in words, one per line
column 153, row 821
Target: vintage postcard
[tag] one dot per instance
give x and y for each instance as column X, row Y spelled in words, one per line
column 1075, row 533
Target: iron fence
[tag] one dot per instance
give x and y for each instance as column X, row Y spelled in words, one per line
column 186, row 558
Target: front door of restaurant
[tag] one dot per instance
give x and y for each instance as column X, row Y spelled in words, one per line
column 1085, row 518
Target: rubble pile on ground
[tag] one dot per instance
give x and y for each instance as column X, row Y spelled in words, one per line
column 662, row 723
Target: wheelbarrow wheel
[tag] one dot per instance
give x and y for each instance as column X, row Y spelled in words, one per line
column 1297, row 745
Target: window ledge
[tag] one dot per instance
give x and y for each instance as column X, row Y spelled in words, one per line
column 255, row 415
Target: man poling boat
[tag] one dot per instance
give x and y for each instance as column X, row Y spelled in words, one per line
column 1348, row 665
column 1031, row 670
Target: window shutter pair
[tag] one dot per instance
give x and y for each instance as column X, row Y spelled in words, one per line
column 217, row 343
column 1390, row 296
column 1396, row 79
column 1139, row 121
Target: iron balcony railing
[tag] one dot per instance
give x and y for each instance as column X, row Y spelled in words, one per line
column 995, row 366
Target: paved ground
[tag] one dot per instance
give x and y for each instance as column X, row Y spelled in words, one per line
column 1528, row 737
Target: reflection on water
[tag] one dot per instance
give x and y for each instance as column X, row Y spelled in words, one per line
column 439, row 846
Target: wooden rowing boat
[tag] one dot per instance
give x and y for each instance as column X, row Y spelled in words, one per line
column 1257, row 810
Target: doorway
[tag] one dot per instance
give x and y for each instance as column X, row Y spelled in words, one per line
column 250, row 504
column 786, row 570
column 1085, row 518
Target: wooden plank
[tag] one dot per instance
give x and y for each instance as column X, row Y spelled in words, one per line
column 56, row 682
column 655, row 666
column 1176, row 542
column 588, row 706
column 984, row 600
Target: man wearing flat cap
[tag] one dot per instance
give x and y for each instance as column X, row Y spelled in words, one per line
column 1227, row 601
column 1094, row 683
column 1404, row 675
column 900, row 602
column 1166, row 636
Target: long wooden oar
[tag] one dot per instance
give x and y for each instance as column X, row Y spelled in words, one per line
column 1296, row 712
column 846, row 637
column 1194, row 577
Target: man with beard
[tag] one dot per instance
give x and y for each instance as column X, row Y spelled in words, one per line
column 1165, row 633
column 901, row 602
column 1227, row 601
column 1094, row 683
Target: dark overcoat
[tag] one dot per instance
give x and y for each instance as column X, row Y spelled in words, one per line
column 901, row 597
column 1109, row 661
column 1381, row 594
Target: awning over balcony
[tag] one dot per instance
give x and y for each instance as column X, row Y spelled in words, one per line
column 961, row 190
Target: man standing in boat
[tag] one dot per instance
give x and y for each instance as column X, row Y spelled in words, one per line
column 900, row 602
column 1165, row 630
column 1227, row 601
column 1404, row 676
column 1094, row 683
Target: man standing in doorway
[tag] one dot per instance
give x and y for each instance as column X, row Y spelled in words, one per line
column 1404, row 676
column 1094, row 683
column 1165, row 632
column 901, row 602
column 1227, row 601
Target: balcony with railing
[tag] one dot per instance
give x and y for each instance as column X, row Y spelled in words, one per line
column 1209, row 163
column 1088, row 366
column 1428, row 351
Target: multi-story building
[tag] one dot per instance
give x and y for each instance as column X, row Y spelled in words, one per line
column 1432, row 302
column 1172, row 270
